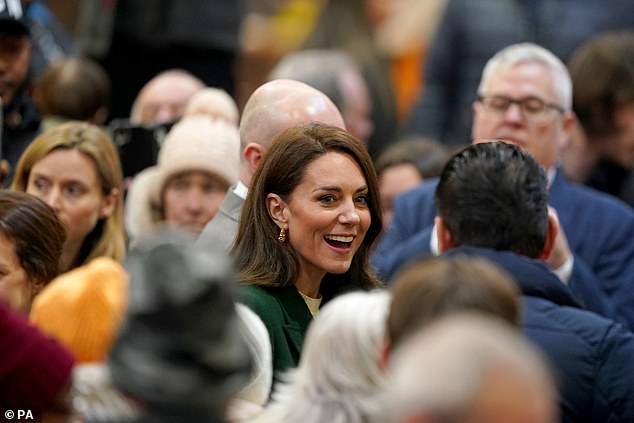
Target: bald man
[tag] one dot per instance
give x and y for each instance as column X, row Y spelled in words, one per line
column 164, row 98
column 272, row 108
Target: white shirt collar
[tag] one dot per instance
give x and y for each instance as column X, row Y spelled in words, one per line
column 241, row 190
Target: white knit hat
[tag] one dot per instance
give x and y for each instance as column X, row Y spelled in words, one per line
column 213, row 103
column 199, row 143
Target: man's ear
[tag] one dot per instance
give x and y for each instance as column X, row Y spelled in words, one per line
column 253, row 153
column 551, row 235
column 568, row 126
column 278, row 210
column 109, row 204
column 445, row 239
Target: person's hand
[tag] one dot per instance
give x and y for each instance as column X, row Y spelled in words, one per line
column 561, row 250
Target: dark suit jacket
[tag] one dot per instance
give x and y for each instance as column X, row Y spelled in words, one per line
column 599, row 228
column 286, row 317
column 590, row 356
column 220, row 232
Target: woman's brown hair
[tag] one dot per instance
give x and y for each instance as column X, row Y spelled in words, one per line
column 107, row 238
column 435, row 287
column 38, row 236
column 260, row 257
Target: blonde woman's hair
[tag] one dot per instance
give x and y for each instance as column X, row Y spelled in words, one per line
column 107, row 238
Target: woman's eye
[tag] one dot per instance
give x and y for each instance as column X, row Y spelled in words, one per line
column 40, row 185
column 211, row 188
column 74, row 190
column 362, row 199
column 327, row 199
column 178, row 185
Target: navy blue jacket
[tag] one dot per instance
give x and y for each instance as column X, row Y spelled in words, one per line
column 599, row 228
column 590, row 356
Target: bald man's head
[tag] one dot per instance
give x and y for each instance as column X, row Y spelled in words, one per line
column 282, row 104
column 274, row 107
column 164, row 97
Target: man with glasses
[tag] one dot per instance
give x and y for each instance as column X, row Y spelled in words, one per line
column 525, row 98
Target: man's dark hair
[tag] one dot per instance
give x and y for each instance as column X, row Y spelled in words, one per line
column 494, row 195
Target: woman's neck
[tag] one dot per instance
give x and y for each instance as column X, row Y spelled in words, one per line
column 69, row 256
column 308, row 283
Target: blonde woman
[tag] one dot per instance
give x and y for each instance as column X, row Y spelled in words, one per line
column 75, row 169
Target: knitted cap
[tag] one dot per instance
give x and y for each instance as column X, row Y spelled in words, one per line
column 213, row 103
column 83, row 308
column 199, row 143
column 34, row 369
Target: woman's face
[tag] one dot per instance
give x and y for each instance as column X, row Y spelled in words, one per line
column 67, row 181
column 15, row 288
column 393, row 181
column 327, row 215
column 191, row 199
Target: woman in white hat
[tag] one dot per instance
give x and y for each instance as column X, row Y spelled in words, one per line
column 198, row 162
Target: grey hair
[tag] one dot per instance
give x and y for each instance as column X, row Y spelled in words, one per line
column 531, row 53
column 338, row 379
column 320, row 68
column 440, row 371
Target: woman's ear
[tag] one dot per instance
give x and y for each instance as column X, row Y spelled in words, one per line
column 109, row 204
column 277, row 210
column 36, row 287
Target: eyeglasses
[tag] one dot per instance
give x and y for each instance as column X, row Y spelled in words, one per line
column 532, row 107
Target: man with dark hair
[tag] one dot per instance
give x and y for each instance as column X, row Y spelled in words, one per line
column 493, row 203
column 513, row 186
column 525, row 98
column 20, row 119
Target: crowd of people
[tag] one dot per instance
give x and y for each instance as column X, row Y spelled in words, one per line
column 317, row 253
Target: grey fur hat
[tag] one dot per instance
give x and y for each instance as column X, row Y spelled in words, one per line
column 179, row 350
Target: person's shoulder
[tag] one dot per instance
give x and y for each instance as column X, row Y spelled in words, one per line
column 263, row 301
column 419, row 193
column 428, row 187
column 588, row 327
column 595, row 200
column 219, row 233
column 256, row 293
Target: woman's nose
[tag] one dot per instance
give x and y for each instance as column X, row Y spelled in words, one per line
column 53, row 199
column 349, row 216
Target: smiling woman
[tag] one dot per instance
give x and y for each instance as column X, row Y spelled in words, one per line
column 75, row 169
column 305, row 231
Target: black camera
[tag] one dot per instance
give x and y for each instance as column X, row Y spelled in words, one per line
column 138, row 145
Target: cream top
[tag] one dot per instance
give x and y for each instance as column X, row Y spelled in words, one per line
column 312, row 303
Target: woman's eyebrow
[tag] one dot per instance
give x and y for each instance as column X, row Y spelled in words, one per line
column 328, row 188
